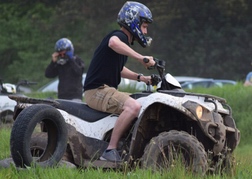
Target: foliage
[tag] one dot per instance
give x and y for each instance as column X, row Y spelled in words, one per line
column 5, row 141
column 195, row 37
column 204, row 38
column 24, row 43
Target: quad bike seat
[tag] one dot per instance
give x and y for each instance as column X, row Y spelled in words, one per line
column 81, row 110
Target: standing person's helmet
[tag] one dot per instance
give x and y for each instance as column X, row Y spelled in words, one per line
column 65, row 44
column 131, row 16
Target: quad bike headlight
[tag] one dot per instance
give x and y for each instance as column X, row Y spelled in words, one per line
column 199, row 112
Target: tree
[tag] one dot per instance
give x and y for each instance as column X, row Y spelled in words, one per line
column 194, row 37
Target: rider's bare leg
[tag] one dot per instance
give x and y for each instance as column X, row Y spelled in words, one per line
column 131, row 110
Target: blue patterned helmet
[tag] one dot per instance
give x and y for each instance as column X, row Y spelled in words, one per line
column 131, row 16
column 65, row 44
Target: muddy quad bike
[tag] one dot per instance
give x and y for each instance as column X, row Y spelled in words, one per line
column 196, row 129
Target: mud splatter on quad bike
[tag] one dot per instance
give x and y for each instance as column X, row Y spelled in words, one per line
column 173, row 124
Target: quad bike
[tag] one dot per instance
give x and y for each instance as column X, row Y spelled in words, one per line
column 196, row 129
column 7, row 105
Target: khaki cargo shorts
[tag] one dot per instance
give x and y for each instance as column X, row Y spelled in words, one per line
column 106, row 99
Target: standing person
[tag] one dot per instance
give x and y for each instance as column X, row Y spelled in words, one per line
column 107, row 68
column 248, row 80
column 68, row 68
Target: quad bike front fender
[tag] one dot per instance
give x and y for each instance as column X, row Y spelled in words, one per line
column 165, row 99
column 150, row 119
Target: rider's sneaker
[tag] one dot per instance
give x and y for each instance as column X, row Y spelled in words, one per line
column 111, row 155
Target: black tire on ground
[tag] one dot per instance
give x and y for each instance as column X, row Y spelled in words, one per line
column 38, row 143
column 22, row 131
column 167, row 148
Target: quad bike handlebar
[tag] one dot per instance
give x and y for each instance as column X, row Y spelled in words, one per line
column 160, row 66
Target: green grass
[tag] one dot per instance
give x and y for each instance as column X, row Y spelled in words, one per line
column 242, row 154
column 238, row 97
column 5, row 141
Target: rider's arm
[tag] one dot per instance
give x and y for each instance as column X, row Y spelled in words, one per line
column 127, row 73
column 120, row 47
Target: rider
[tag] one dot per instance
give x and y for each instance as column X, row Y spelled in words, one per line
column 107, row 68
column 68, row 68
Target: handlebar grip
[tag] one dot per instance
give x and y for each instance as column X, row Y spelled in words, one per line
column 146, row 60
column 157, row 62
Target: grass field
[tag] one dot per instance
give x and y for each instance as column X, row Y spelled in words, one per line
column 238, row 97
column 243, row 168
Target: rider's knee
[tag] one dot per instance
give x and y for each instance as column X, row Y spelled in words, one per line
column 134, row 108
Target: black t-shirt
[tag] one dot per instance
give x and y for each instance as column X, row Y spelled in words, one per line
column 106, row 65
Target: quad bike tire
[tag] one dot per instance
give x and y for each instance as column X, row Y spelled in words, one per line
column 23, row 129
column 171, row 146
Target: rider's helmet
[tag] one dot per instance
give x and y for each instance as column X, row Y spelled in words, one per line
column 65, row 44
column 131, row 16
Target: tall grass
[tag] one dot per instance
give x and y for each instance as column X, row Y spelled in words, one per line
column 5, row 141
column 238, row 97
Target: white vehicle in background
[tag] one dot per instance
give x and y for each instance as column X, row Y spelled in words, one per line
column 185, row 79
column 207, row 83
column 7, row 105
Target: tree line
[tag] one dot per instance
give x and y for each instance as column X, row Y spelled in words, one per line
column 196, row 38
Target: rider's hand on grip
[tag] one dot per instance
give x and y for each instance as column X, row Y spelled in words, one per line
column 155, row 79
column 146, row 60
